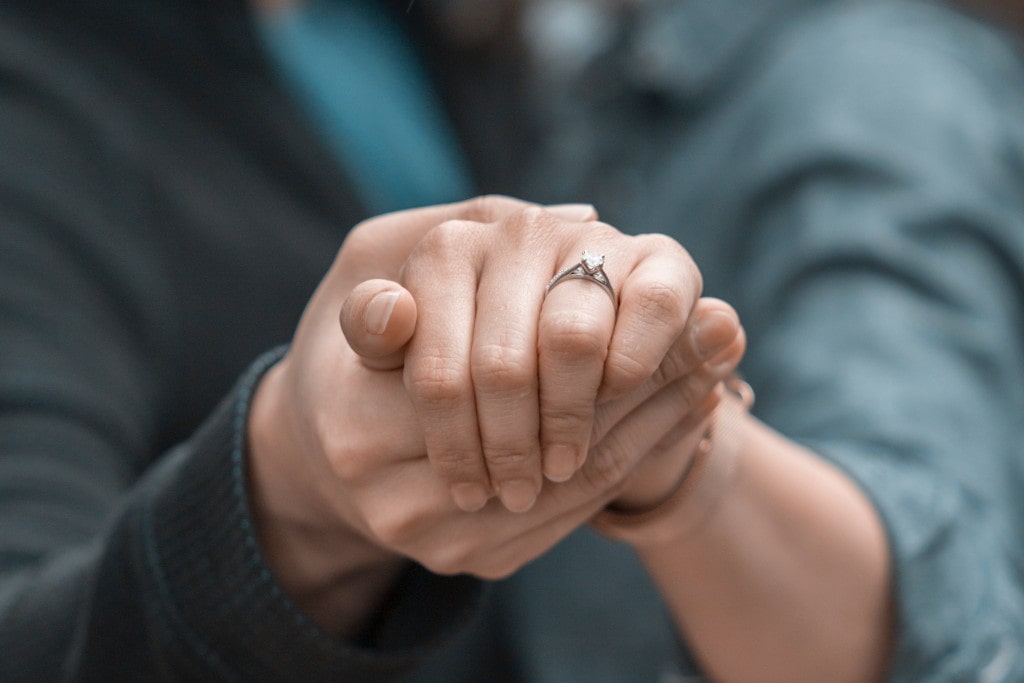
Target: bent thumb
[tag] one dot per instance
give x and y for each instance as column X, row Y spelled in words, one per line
column 378, row 319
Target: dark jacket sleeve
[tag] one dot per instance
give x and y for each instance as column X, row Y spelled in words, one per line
column 118, row 561
column 879, row 273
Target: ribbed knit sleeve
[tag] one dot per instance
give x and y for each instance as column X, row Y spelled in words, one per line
column 124, row 557
column 181, row 590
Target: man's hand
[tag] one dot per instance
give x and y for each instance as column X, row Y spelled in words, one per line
column 343, row 487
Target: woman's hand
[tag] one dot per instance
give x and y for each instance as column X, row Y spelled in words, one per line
column 505, row 377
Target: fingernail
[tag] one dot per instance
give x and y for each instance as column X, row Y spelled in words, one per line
column 469, row 497
column 576, row 213
column 379, row 310
column 560, row 462
column 713, row 332
column 518, row 495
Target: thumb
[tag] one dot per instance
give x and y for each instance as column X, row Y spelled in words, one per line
column 378, row 319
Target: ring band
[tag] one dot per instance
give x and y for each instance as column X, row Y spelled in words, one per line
column 591, row 268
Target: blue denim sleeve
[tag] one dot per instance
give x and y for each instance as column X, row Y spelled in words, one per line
column 878, row 265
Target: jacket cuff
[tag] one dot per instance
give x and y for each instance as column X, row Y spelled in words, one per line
column 225, row 614
column 951, row 572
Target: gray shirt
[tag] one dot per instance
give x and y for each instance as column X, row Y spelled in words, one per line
column 850, row 175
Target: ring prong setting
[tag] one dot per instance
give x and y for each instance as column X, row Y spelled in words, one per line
column 592, row 262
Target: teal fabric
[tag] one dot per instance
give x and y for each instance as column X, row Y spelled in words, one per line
column 356, row 76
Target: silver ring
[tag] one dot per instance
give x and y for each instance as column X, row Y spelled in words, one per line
column 590, row 267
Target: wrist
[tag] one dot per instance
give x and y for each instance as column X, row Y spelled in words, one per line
column 699, row 488
column 332, row 572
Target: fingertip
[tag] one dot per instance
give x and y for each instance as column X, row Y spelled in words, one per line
column 378, row 318
column 714, row 332
column 469, row 496
column 518, row 495
column 561, row 462
column 725, row 362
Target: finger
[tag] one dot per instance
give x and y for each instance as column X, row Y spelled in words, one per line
column 442, row 277
column 664, row 465
column 575, row 329
column 492, row 543
column 710, row 328
column 378, row 319
column 406, row 228
column 726, row 361
column 573, row 213
column 475, row 453
column 653, row 441
column 656, row 300
column 708, row 351
column 379, row 246
column 504, row 362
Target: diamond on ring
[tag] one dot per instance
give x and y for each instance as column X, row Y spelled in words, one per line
column 590, row 267
column 592, row 262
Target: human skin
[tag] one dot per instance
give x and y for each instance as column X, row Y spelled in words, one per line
column 558, row 359
column 498, row 369
column 502, row 458
column 789, row 566
column 787, row 580
column 343, row 488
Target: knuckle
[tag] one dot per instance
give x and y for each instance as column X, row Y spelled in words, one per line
column 506, row 459
column 659, row 243
column 502, row 367
column 438, row 380
column 489, row 208
column 529, row 225
column 560, row 420
column 532, row 217
column 625, row 372
column 455, row 465
column 438, row 253
column 686, row 266
column 573, row 336
column 661, row 303
column 608, row 466
column 445, row 238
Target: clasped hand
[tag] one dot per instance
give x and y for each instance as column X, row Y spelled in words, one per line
column 459, row 378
